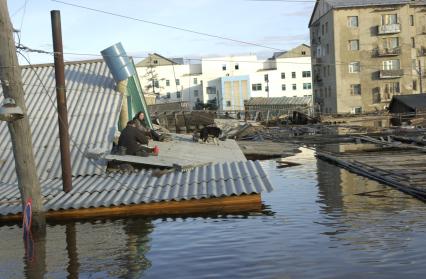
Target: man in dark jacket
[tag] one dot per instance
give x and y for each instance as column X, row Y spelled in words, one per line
column 133, row 140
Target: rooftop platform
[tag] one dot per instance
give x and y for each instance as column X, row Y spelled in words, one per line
column 182, row 151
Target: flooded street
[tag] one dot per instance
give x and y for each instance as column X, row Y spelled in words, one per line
column 319, row 222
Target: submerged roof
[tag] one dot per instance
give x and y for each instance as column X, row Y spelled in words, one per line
column 210, row 181
column 413, row 101
column 276, row 101
column 93, row 109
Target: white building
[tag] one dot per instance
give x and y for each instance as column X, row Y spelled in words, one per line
column 170, row 79
column 228, row 81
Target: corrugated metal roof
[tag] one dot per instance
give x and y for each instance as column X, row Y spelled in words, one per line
column 93, row 109
column 360, row 3
column 276, row 101
column 414, row 101
column 216, row 180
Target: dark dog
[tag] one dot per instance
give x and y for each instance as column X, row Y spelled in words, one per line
column 213, row 132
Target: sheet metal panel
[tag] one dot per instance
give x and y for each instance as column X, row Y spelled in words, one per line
column 135, row 188
column 93, row 110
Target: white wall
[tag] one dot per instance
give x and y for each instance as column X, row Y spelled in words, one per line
column 186, row 74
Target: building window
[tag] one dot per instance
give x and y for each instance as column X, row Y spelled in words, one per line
column 329, row 91
column 414, row 84
column 389, row 19
column 327, row 49
column 256, row 87
column 266, row 78
column 306, row 74
column 414, row 64
column 352, row 21
column 266, row 88
column 282, row 75
column 195, row 81
column 376, row 95
column 390, row 43
column 156, row 84
column 391, row 64
column 283, row 87
column 354, row 67
column 413, row 42
column 303, row 52
column 167, row 82
column 307, row 85
column 178, row 95
column 293, row 74
column 294, row 86
column 411, row 20
column 155, row 61
column 228, row 103
column 326, row 27
column 168, row 95
column 355, row 89
column 356, row 110
column 322, row 29
column 177, row 81
column 195, row 93
column 354, row 45
column 389, row 89
column 237, row 67
column 224, row 67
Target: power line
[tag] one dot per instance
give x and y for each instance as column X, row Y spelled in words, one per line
column 166, row 25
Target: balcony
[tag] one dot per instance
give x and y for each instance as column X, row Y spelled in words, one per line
column 422, row 51
column 383, row 52
column 388, row 29
column 383, row 74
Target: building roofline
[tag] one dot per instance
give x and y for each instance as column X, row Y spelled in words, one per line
column 40, row 65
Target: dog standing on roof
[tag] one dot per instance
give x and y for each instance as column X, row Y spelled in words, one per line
column 210, row 132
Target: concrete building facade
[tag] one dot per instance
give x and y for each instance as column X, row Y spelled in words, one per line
column 364, row 52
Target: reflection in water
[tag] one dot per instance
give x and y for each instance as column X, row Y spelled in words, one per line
column 71, row 239
column 355, row 202
column 35, row 254
column 135, row 261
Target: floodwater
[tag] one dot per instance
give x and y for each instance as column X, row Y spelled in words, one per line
column 319, row 222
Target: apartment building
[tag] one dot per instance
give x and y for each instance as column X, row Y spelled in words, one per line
column 364, row 52
column 230, row 80
column 170, row 80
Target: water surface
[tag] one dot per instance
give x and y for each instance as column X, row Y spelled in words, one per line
column 319, row 222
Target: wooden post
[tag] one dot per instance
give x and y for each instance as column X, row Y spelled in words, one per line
column 20, row 132
column 61, row 98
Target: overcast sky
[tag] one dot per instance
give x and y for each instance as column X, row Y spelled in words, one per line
column 277, row 24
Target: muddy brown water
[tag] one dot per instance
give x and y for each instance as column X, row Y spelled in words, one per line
column 319, row 222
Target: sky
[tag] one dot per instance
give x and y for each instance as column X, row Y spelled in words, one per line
column 275, row 24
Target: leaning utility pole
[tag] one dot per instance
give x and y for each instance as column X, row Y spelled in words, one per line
column 20, row 133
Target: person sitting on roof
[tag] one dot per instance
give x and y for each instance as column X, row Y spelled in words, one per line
column 133, row 140
column 141, row 126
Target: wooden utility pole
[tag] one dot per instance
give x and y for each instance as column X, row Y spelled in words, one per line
column 64, row 138
column 20, row 133
column 420, row 77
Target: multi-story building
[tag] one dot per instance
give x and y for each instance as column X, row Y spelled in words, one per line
column 228, row 81
column 364, row 52
column 171, row 80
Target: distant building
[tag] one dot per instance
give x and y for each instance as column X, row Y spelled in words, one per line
column 227, row 81
column 170, row 79
column 365, row 52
